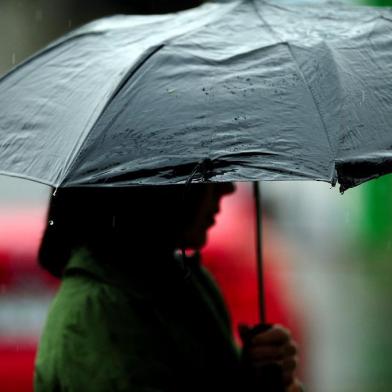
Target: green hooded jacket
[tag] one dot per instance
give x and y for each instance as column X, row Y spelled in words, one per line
column 142, row 326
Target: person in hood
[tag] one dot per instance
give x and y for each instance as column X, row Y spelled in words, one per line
column 134, row 312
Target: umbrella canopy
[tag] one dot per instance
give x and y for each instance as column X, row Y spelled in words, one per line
column 261, row 91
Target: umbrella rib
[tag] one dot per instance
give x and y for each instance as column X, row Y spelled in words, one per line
column 290, row 51
column 288, row 45
column 26, row 177
column 79, row 147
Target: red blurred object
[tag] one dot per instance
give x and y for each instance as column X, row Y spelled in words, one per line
column 21, row 229
column 5, row 268
column 20, row 276
column 231, row 257
column 16, row 366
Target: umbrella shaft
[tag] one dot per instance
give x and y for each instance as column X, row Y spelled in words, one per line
column 259, row 251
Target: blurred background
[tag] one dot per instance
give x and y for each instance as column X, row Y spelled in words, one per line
column 328, row 268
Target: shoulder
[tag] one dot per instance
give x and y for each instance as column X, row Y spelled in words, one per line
column 88, row 310
column 95, row 336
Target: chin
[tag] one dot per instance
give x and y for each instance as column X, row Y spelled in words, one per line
column 197, row 241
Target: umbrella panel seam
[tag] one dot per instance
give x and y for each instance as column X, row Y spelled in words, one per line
column 78, row 149
column 290, row 51
column 28, row 178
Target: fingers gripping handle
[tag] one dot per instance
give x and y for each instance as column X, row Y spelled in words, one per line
column 269, row 377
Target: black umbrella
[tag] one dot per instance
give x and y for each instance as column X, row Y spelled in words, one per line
column 234, row 91
column 264, row 91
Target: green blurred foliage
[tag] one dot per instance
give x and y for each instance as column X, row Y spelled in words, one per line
column 381, row 3
column 377, row 215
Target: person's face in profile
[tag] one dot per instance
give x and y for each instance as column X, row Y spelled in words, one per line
column 204, row 205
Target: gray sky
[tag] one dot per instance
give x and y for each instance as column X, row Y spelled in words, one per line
column 17, row 191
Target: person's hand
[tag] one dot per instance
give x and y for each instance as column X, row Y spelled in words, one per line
column 296, row 386
column 274, row 345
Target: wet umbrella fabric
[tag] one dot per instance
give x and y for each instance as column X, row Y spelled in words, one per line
column 262, row 91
